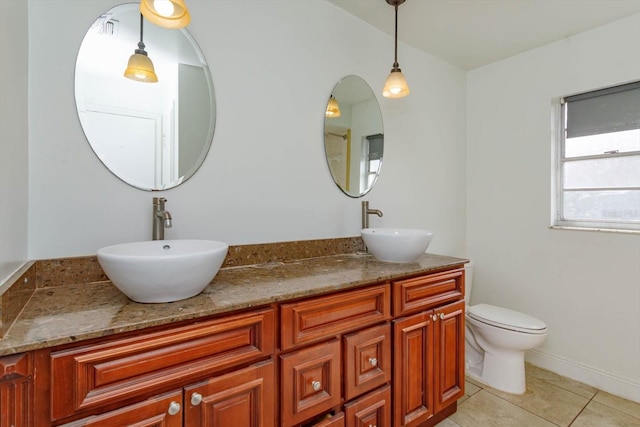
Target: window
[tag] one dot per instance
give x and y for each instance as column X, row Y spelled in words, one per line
column 598, row 160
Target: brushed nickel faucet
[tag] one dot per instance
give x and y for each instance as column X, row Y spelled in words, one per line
column 161, row 218
column 366, row 212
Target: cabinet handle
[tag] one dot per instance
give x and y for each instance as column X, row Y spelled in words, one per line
column 174, row 408
column 316, row 385
column 434, row 317
column 196, row 399
column 441, row 316
column 373, row 361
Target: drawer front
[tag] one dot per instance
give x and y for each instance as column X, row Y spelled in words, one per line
column 425, row 292
column 367, row 360
column 93, row 376
column 323, row 317
column 152, row 412
column 310, row 381
column 373, row 409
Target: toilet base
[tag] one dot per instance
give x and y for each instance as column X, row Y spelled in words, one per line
column 503, row 372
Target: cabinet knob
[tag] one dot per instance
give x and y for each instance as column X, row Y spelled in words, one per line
column 196, row 399
column 434, row 317
column 316, row 385
column 441, row 316
column 373, row 361
column 174, row 408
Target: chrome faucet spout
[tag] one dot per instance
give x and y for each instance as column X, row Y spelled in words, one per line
column 161, row 218
column 366, row 212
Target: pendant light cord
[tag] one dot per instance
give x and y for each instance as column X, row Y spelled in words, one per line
column 395, row 57
column 141, row 44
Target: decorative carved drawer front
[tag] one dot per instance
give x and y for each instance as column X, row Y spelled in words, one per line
column 160, row 411
column 89, row 377
column 373, row 409
column 425, row 292
column 367, row 360
column 322, row 317
column 310, row 381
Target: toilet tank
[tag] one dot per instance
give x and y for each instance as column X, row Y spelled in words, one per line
column 468, row 282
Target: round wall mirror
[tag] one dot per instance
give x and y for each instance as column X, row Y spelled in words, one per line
column 153, row 136
column 353, row 136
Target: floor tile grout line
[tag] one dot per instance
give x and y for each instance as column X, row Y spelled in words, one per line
column 582, row 410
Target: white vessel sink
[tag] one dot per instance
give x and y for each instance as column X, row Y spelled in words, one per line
column 396, row 244
column 162, row 270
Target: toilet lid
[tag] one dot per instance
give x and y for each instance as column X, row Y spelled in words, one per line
column 507, row 319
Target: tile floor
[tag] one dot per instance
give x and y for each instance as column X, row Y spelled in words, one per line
column 550, row 401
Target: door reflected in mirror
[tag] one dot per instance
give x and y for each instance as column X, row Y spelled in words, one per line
column 152, row 136
column 353, row 136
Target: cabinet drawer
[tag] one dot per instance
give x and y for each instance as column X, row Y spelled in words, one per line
column 151, row 412
column 89, row 377
column 367, row 360
column 323, row 317
column 424, row 292
column 373, row 409
column 310, row 381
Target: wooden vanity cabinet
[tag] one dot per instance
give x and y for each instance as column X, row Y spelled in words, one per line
column 127, row 376
column 16, row 390
column 428, row 349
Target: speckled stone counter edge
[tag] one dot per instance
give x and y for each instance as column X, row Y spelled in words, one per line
column 17, row 290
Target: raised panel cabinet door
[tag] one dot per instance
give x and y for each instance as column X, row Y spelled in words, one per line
column 310, row 382
column 243, row 398
column 413, row 369
column 449, row 355
column 16, row 390
column 160, row 411
column 371, row 410
column 15, row 402
column 367, row 360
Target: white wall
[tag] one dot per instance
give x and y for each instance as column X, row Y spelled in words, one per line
column 13, row 136
column 274, row 64
column 584, row 285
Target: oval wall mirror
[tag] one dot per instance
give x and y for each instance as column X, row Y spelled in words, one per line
column 153, row 136
column 353, row 136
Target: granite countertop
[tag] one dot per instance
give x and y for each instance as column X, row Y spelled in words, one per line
column 72, row 313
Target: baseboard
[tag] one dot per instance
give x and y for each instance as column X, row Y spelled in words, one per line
column 594, row 377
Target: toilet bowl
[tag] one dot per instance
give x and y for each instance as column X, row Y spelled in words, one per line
column 496, row 341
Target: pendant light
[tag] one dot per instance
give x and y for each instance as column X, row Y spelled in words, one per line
column 140, row 67
column 166, row 13
column 396, row 85
column 333, row 109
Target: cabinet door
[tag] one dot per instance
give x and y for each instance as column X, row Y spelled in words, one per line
column 243, row 398
column 367, row 360
column 449, row 356
column 310, row 382
column 373, row 409
column 413, row 369
column 16, row 391
column 160, row 411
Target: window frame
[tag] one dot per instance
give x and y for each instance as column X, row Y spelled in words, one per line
column 559, row 144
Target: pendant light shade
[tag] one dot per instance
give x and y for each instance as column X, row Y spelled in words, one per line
column 166, row 13
column 140, row 68
column 396, row 85
column 333, row 109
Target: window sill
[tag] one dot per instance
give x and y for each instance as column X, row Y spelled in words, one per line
column 591, row 229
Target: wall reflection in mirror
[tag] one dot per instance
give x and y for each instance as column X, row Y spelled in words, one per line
column 353, row 136
column 153, row 136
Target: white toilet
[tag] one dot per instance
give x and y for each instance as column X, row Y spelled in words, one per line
column 496, row 340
